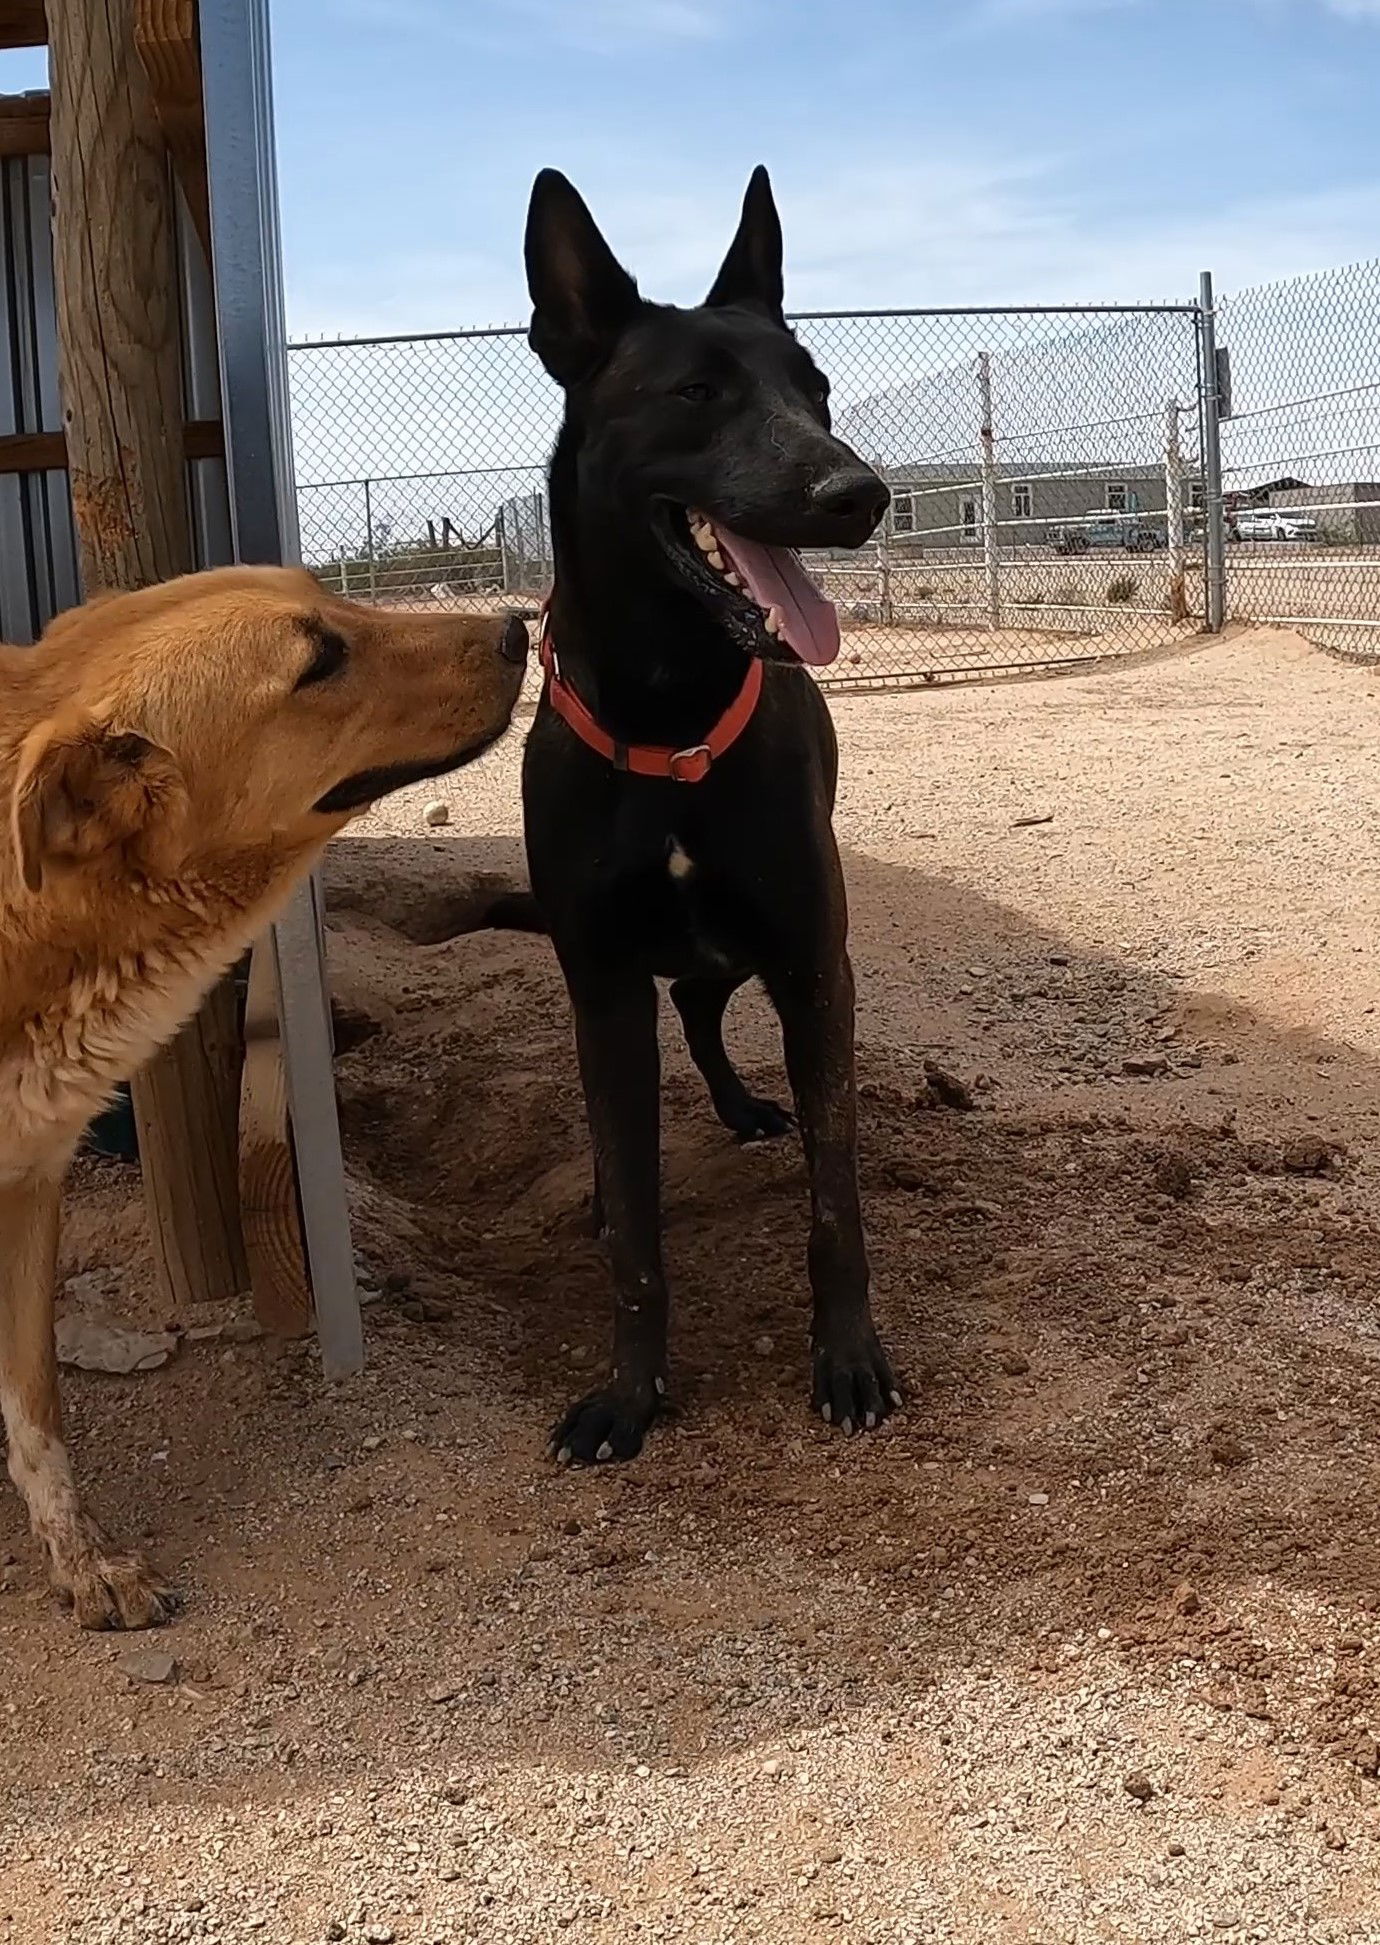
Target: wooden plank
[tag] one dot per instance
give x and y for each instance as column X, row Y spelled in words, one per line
column 23, row 125
column 188, row 1150
column 22, row 23
column 33, row 452
column 46, row 452
column 119, row 350
column 165, row 35
column 203, row 439
column 268, row 1177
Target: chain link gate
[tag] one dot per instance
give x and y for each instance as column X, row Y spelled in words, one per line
column 1301, row 457
column 1046, row 465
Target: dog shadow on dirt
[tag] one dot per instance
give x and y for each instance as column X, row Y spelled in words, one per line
column 1123, row 1251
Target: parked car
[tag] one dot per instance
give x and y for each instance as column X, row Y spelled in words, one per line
column 1132, row 535
column 1270, row 525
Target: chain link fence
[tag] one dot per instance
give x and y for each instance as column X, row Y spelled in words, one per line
column 1046, row 486
column 1301, row 456
column 1044, row 466
column 1050, row 472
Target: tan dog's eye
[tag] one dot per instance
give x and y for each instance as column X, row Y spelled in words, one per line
column 329, row 659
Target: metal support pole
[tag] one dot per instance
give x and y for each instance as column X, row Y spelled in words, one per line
column 1215, row 553
column 1174, row 511
column 505, row 567
column 885, row 613
column 369, row 542
column 991, row 552
column 258, row 456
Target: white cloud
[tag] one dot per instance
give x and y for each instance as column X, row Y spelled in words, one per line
column 1364, row 11
column 637, row 20
column 596, row 26
column 998, row 13
column 1004, row 13
column 936, row 233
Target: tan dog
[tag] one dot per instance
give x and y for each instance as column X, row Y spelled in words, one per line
column 173, row 762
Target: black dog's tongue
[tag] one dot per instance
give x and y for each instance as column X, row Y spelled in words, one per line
column 774, row 577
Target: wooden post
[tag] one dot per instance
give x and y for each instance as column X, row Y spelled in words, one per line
column 165, row 38
column 268, row 1176
column 120, row 364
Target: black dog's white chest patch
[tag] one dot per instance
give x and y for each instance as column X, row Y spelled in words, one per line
column 693, row 934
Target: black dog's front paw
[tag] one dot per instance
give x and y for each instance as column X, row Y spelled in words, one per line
column 854, row 1387
column 758, row 1120
column 609, row 1424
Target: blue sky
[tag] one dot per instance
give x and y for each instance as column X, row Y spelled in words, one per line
column 977, row 151
column 966, row 152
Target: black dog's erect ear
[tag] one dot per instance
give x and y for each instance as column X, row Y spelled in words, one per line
column 751, row 272
column 582, row 297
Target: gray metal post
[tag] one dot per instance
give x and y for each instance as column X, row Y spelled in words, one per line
column 987, row 447
column 885, row 611
column 1215, row 552
column 258, row 463
column 1175, row 538
column 369, row 542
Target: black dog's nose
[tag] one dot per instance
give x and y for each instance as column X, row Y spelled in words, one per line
column 513, row 643
column 854, row 493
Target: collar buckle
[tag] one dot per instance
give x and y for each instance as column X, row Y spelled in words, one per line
column 692, row 765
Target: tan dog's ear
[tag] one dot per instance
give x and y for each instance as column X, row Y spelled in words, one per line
column 88, row 789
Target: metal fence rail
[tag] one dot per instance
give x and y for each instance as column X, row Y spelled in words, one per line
column 1044, row 464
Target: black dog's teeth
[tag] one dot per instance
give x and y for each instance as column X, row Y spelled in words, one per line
column 705, row 538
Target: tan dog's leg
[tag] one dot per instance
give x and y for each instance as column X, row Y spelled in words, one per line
column 104, row 1587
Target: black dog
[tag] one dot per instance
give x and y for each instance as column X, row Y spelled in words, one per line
column 679, row 778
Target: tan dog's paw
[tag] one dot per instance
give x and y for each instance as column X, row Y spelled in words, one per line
column 108, row 1589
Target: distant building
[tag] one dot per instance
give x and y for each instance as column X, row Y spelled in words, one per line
column 940, row 505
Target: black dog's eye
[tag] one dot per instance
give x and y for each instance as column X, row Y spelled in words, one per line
column 819, row 393
column 697, row 394
column 329, row 659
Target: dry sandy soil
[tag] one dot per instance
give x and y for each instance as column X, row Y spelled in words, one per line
column 1083, row 1647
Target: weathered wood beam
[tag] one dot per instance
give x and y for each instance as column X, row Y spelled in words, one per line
column 46, row 452
column 268, row 1171
column 166, row 37
column 23, row 125
column 23, row 23
column 121, row 380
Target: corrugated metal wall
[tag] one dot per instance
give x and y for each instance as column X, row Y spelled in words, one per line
column 38, row 553
column 38, row 573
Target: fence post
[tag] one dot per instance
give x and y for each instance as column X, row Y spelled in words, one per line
column 369, row 542
column 541, row 544
column 991, row 553
column 501, row 536
column 884, row 608
column 1174, row 511
column 1213, row 514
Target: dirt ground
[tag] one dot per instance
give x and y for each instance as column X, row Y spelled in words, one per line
column 1084, row 1647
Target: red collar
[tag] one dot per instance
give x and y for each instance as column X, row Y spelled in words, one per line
column 649, row 759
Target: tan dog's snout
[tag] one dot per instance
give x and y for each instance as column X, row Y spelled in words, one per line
column 514, row 644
